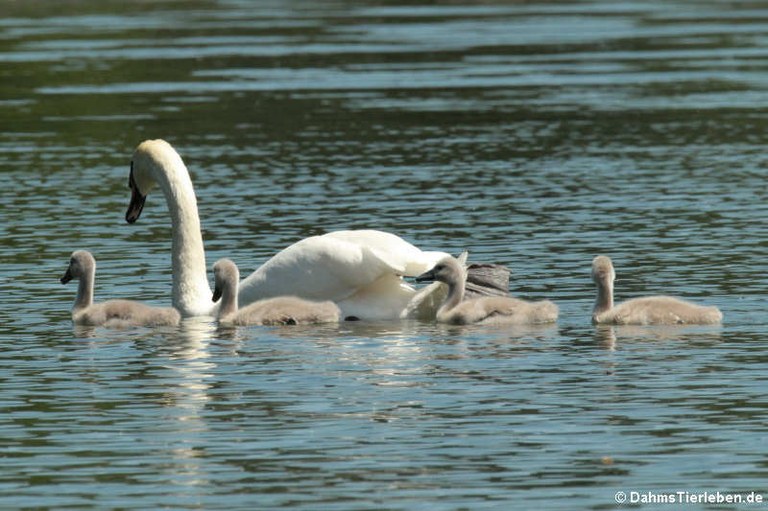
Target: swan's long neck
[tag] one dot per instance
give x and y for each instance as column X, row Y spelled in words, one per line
column 604, row 301
column 191, row 292
column 455, row 294
column 85, row 290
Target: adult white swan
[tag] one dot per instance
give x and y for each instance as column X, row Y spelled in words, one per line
column 359, row 270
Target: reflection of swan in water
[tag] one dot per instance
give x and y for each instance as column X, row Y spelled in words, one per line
column 609, row 336
column 605, row 335
column 188, row 352
column 186, row 396
column 173, row 376
column 649, row 310
column 504, row 333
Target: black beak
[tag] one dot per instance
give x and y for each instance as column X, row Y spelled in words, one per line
column 67, row 277
column 426, row 276
column 137, row 200
column 216, row 294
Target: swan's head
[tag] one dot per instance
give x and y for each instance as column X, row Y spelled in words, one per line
column 603, row 273
column 225, row 278
column 447, row 270
column 81, row 263
column 150, row 158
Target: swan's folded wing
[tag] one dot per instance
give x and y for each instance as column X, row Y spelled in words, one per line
column 318, row 268
column 486, row 280
column 360, row 270
column 391, row 250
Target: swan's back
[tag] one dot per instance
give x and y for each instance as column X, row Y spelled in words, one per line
column 117, row 313
column 398, row 255
column 285, row 310
column 359, row 270
column 660, row 310
column 500, row 310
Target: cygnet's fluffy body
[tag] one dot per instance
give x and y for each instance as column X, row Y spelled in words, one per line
column 648, row 310
column 112, row 313
column 484, row 310
column 281, row 310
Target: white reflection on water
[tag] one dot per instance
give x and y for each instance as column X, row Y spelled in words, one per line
column 189, row 359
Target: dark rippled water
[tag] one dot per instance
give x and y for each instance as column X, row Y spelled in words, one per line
column 536, row 135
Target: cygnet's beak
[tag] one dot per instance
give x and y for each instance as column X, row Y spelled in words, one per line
column 216, row 294
column 137, row 200
column 428, row 276
column 67, row 276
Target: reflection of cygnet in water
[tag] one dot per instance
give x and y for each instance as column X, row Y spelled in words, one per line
column 281, row 310
column 649, row 310
column 112, row 313
column 484, row 310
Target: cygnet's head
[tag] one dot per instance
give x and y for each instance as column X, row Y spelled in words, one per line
column 148, row 158
column 81, row 263
column 447, row 270
column 603, row 273
column 225, row 277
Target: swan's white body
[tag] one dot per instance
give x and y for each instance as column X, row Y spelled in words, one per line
column 487, row 310
column 360, row 270
column 279, row 310
column 112, row 313
column 647, row 310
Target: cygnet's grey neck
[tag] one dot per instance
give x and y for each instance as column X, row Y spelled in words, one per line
column 85, row 289
column 228, row 297
column 604, row 301
column 226, row 280
column 455, row 292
